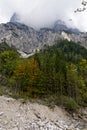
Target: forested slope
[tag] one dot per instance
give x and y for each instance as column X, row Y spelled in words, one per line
column 57, row 75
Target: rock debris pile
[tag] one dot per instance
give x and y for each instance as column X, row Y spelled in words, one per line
column 16, row 115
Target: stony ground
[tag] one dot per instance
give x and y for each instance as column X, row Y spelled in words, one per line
column 16, row 115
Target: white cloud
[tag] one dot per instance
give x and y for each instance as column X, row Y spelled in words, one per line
column 40, row 13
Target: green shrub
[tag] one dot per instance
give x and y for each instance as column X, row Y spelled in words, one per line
column 70, row 104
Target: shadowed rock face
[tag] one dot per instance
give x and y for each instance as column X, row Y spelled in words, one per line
column 28, row 40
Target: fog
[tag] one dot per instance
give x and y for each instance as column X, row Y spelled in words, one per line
column 43, row 13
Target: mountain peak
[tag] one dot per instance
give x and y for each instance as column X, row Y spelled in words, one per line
column 60, row 25
column 60, row 22
column 15, row 18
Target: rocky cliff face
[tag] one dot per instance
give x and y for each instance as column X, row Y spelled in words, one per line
column 28, row 40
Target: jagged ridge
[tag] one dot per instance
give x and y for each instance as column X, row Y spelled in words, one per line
column 27, row 39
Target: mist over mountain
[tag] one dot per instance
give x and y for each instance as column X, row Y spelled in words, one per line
column 27, row 39
column 43, row 13
column 57, row 25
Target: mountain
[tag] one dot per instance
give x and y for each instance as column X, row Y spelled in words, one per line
column 19, row 35
column 15, row 18
column 60, row 25
column 28, row 40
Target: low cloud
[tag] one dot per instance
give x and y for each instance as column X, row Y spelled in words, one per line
column 43, row 13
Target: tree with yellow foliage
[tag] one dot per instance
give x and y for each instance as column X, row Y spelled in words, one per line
column 27, row 75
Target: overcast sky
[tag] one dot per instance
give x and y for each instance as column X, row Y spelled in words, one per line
column 42, row 13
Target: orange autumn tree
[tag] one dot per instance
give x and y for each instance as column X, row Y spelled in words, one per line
column 27, row 75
